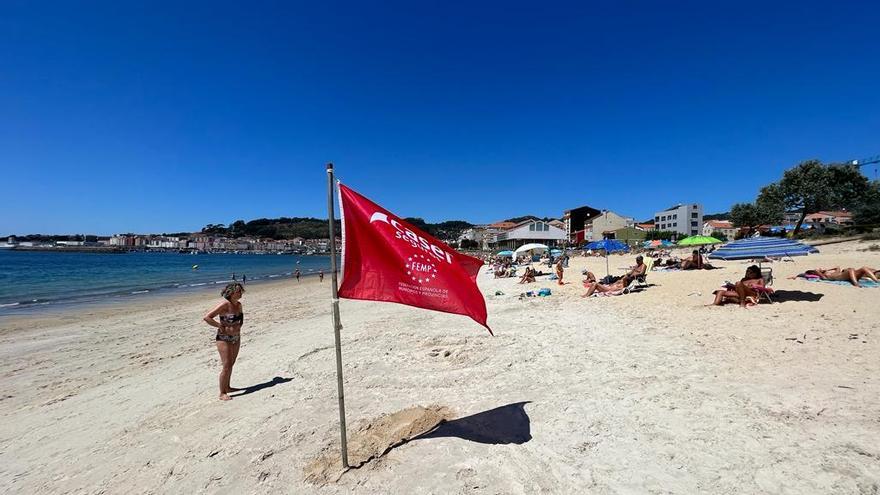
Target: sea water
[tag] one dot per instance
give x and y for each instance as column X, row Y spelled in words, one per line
column 32, row 281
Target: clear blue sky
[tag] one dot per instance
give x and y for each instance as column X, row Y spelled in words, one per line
column 123, row 117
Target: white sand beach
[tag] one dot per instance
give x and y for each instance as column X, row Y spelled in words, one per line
column 651, row 392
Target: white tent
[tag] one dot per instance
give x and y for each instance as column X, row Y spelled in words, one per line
column 530, row 247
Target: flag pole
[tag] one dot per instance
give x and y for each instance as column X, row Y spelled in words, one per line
column 334, row 306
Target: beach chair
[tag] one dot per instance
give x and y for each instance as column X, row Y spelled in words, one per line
column 637, row 284
column 766, row 292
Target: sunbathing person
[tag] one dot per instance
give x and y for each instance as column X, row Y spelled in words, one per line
column 593, row 287
column 639, row 270
column 694, row 263
column 743, row 292
column 528, row 276
column 851, row 275
column 591, row 277
column 619, row 284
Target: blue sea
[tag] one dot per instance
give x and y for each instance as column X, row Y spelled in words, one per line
column 36, row 281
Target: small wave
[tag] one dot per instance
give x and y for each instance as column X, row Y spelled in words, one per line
column 273, row 276
column 8, row 305
column 196, row 285
column 139, row 292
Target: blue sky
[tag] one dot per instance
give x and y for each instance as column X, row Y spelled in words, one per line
column 171, row 115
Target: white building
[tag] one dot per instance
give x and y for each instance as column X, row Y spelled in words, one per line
column 475, row 234
column 527, row 232
column 686, row 219
column 723, row 226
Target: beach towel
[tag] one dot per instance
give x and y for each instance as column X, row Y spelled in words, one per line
column 666, row 269
column 863, row 282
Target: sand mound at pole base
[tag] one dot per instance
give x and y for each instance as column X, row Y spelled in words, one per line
column 375, row 438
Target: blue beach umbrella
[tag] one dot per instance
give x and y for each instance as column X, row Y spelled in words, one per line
column 505, row 253
column 610, row 246
column 760, row 248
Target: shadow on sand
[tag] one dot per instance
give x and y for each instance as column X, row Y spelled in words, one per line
column 260, row 386
column 502, row 425
column 782, row 296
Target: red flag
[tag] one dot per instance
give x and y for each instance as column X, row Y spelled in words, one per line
column 387, row 259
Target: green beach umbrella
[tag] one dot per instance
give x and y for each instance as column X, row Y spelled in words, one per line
column 698, row 240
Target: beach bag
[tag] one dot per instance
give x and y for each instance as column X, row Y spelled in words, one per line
column 544, row 292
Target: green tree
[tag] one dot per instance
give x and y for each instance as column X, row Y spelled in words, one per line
column 237, row 229
column 811, row 187
column 719, row 235
column 764, row 211
column 867, row 212
column 468, row 244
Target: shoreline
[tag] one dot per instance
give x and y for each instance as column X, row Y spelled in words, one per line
column 80, row 311
column 649, row 391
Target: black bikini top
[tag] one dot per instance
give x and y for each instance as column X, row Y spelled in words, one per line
column 232, row 318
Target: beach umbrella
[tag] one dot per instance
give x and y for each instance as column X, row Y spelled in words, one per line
column 505, row 253
column 698, row 240
column 653, row 244
column 610, row 246
column 555, row 252
column 530, row 247
column 762, row 247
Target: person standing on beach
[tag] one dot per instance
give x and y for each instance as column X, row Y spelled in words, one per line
column 321, row 276
column 243, row 278
column 296, row 274
column 228, row 339
column 559, row 271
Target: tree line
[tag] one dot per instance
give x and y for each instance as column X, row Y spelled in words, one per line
column 811, row 187
column 316, row 228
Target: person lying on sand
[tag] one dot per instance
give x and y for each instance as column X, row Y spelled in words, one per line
column 593, row 287
column 743, row 292
column 619, row 284
column 851, row 275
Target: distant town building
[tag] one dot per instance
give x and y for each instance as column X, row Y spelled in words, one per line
column 604, row 224
column 686, row 219
column 500, row 226
column 575, row 219
column 629, row 235
column 826, row 218
column 723, row 226
column 529, row 231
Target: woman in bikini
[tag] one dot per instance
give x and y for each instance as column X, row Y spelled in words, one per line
column 228, row 338
column 851, row 275
column 743, row 292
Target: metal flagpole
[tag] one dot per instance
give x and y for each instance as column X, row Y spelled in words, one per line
column 334, row 305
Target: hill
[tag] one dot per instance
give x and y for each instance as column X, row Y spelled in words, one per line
column 316, row 228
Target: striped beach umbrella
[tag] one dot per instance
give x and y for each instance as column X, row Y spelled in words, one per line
column 762, row 247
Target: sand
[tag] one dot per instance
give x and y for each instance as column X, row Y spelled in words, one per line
column 651, row 392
